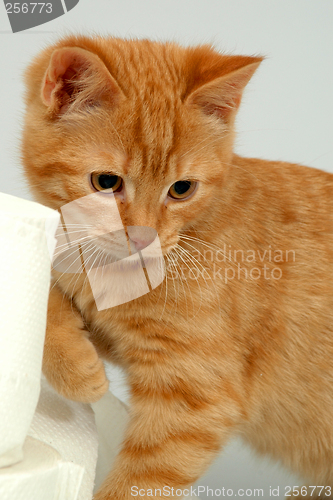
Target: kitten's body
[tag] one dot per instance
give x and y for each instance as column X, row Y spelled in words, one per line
column 211, row 357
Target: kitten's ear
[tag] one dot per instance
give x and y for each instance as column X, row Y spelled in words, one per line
column 221, row 96
column 76, row 77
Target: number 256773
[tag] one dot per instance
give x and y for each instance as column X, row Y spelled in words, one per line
column 28, row 8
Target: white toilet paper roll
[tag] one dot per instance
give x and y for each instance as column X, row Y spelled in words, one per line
column 26, row 234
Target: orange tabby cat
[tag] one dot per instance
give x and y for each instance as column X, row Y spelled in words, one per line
column 238, row 339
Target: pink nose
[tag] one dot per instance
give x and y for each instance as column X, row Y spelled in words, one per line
column 142, row 243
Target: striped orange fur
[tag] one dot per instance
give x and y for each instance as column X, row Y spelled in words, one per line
column 208, row 356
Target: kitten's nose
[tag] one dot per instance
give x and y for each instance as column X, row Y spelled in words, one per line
column 141, row 243
column 141, row 236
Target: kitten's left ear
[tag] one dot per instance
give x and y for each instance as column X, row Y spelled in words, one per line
column 222, row 95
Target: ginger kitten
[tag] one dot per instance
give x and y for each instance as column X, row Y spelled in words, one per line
column 238, row 338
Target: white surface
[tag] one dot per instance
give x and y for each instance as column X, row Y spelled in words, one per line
column 42, row 475
column 111, row 420
column 286, row 112
column 69, row 428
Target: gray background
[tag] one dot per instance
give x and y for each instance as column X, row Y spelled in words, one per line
column 286, row 112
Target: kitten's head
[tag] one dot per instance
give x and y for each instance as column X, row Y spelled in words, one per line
column 151, row 122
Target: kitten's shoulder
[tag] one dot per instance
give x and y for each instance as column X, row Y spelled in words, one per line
column 284, row 172
column 292, row 181
column 282, row 167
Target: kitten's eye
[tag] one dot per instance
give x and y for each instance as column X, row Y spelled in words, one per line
column 182, row 189
column 103, row 182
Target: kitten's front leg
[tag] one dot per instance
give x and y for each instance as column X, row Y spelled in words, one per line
column 172, row 438
column 70, row 361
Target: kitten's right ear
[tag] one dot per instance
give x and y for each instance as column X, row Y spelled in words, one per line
column 76, row 78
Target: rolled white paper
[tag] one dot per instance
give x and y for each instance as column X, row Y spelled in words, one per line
column 26, row 238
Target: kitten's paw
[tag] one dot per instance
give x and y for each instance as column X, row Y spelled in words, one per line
column 78, row 374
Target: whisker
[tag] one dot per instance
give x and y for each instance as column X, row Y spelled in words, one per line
column 165, row 300
column 191, row 257
column 228, row 258
column 73, row 262
column 75, row 243
column 176, row 249
column 193, row 261
column 172, row 263
column 211, row 247
column 181, row 280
